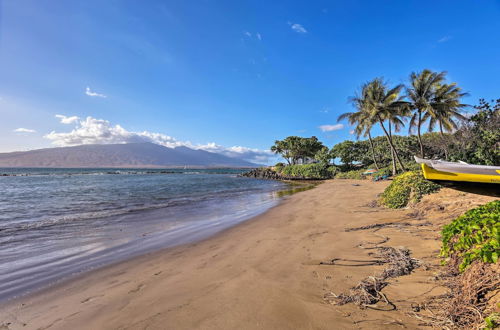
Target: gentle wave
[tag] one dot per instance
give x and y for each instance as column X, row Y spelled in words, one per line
column 71, row 218
column 54, row 223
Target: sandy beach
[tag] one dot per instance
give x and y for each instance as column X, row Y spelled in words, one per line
column 262, row 274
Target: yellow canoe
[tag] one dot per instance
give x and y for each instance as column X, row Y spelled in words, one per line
column 451, row 171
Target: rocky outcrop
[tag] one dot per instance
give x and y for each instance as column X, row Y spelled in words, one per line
column 270, row 173
column 264, row 173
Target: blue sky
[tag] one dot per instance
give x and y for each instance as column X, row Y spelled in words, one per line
column 231, row 73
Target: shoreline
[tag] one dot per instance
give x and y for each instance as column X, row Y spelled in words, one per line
column 264, row 273
column 185, row 233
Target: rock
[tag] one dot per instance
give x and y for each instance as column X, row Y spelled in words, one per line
column 264, row 173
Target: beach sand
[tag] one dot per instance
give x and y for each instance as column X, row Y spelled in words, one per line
column 262, row 274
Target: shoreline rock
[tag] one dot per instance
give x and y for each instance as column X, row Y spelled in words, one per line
column 269, row 173
column 264, row 173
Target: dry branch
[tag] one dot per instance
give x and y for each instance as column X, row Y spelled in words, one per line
column 368, row 292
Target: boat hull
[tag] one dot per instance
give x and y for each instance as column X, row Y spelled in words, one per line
column 433, row 174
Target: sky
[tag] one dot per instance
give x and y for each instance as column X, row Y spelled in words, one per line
column 224, row 76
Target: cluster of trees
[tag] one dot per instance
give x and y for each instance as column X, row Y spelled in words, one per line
column 297, row 149
column 427, row 99
column 427, row 102
column 477, row 140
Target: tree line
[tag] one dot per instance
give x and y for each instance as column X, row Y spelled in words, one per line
column 426, row 102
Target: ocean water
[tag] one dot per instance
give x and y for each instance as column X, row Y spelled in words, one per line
column 55, row 223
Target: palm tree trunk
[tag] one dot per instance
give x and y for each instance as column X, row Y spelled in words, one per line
column 390, row 143
column 394, row 169
column 418, row 133
column 444, row 142
column 373, row 150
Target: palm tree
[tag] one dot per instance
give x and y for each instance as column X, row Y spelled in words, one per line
column 386, row 104
column 362, row 121
column 421, row 94
column 446, row 108
column 378, row 104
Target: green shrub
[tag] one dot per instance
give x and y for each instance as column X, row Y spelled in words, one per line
column 307, row 171
column 279, row 167
column 357, row 175
column 492, row 321
column 332, row 171
column 412, row 166
column 475, row 235
column 405, row 188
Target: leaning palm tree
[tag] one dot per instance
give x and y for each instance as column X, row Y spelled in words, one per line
column 364, row 129
column 386, row 104
column 421, row 94
column 362, row 122
column 446, row 108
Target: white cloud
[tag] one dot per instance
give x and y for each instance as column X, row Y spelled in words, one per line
column 352, row 132
column 329, row 128
column 24, row 130
column 254, row 155
column 297, row 28
column 444, row 39
column 99, row 131
column 325, row 110
column 67, row 120
column 258, row 36
column 248, row 34
column 93, row 94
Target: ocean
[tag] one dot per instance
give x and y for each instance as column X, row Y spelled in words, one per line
column 55, row 223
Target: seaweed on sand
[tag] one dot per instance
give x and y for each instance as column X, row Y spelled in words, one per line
column 368, row 292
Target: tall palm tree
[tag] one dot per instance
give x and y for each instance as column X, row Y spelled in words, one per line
column 386, row 104
column 446, row 108
column 377, row 104
column 421, row 94
column 363, row 123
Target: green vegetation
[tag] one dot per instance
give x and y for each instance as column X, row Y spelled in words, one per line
column 475, row 235
column 492, row 321
column 477, row 141
column 407, row 188
column 355, row 174
column 308, row 171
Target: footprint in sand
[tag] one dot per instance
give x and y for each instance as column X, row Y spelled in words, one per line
column 137, row 289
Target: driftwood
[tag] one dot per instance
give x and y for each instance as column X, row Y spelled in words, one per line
column 378, row 226
column 467, row 304
column 368, row 292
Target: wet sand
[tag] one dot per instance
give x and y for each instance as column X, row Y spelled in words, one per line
column 262, row 274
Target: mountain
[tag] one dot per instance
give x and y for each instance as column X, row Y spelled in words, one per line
column 119, row 155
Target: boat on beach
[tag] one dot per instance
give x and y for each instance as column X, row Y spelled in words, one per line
column 458, row 171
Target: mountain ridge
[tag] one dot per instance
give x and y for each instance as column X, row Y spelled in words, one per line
column 127, row 155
